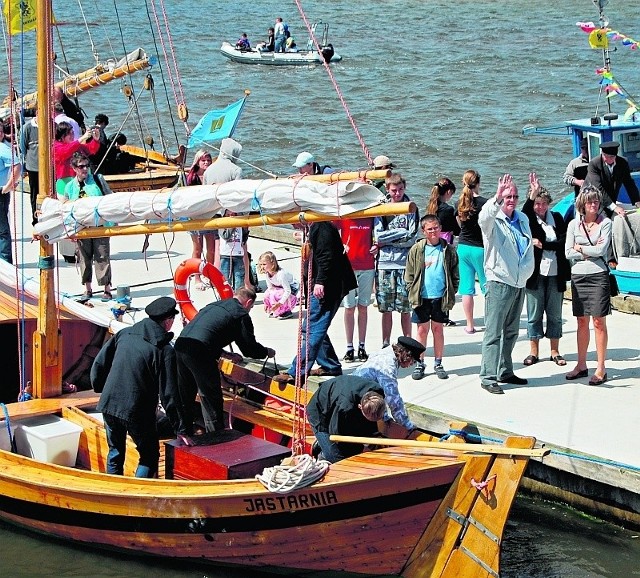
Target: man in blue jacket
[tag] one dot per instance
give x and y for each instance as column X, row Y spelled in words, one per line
column 508, row 263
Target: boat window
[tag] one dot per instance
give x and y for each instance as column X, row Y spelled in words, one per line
column 630, row 148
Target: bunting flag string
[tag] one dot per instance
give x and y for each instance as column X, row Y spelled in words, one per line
column 599, row 37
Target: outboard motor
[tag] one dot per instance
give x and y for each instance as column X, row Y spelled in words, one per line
column 327, row 52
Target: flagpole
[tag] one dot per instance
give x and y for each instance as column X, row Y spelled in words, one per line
column 244, row 101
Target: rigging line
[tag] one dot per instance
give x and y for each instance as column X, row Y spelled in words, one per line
column 173, row 53
column 352, row 121
column 94, row 50
column 124, row 47
column 161, row 68
column 241, row 160
column 20, row 298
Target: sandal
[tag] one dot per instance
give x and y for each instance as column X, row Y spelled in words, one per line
column 106, row 296
column 597, row 380
column 85, row 296
column 558, row 359
column 576, row 374
column 530, row 360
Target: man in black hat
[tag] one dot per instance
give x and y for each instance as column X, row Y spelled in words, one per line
column 345, row 405
column 199, row 348
column 131, row 369
column 382, row 367
column 608, row 172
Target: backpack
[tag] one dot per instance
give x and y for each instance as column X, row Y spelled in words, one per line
column 286, row 30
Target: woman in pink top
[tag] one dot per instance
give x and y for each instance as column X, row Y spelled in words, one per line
column 63, row 148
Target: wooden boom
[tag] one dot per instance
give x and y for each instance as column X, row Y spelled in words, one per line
column 291, row 218
column 482, row 448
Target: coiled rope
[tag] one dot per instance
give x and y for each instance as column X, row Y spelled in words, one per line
column 303, row 471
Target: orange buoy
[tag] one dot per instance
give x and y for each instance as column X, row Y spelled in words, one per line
column 197, row 267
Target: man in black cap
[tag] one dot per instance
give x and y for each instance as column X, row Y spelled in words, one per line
column 199, row 348
column 345, row 405
column 382, row 367
column 608, row 172
column 131, row 369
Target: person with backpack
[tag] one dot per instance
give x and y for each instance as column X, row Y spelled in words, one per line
column 306, row 164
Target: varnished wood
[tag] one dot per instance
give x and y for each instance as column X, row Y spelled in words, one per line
column 241, row 221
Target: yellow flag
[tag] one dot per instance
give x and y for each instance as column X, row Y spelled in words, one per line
column 20, row 15
column 598, row 38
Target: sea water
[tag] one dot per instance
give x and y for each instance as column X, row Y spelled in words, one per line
column 439, row 87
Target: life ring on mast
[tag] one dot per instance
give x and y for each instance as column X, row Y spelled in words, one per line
column 197, row 267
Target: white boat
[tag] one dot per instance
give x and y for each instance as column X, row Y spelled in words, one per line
column 298, row 57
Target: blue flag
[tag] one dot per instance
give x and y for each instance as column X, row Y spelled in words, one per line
column 216, row 124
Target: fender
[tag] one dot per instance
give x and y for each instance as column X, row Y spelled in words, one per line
column 197, row 267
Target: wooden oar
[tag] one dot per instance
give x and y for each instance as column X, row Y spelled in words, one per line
column 481, row 448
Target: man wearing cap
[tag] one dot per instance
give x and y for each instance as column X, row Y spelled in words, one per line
column 576, row 171
column 345, row 405
column 131, row 369
column 608, row 172
column 199, row 348
column 382, row 367
column 381, row 163
column 307, row 165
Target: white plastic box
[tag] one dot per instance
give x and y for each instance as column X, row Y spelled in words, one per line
column 48, row 439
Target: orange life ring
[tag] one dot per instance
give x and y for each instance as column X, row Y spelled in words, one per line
column 197, row 267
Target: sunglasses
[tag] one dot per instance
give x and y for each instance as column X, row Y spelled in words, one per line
column 82, row 166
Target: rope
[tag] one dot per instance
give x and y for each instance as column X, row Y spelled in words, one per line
column 303, row 472
column 363, row 145
column 94, row 51
column 7, row 421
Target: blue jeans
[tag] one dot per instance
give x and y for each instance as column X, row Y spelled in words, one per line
column 330, row 450
column 144, row 436
column 233, row 270
column 281, row 40
column 319, row 315
column 503, row 306
column 544, row 300
column 5, row 229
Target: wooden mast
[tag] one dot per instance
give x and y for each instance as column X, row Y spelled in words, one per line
column 47, row 341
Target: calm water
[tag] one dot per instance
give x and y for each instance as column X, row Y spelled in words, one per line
column 439, row 87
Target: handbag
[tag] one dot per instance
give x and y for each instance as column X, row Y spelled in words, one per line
column 614, row 290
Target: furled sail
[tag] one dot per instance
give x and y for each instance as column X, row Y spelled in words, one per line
column 59, row 220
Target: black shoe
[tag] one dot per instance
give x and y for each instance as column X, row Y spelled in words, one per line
column 315, row 449
column 349, row 356
column 362, row 354
column 322, row 372
column 492, row 388
column 514, row 380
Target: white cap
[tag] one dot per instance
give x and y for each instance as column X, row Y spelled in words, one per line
column 382, row 161
column 304, row 158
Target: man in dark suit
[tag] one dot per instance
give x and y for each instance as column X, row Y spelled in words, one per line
column 609, row 172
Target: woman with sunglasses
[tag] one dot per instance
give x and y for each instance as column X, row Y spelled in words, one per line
column 90, row 251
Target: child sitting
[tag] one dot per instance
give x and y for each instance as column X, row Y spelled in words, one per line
column 281, row 294
column 243, row 42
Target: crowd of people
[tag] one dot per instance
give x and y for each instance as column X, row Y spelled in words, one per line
column 279, row 39
column 409, row 265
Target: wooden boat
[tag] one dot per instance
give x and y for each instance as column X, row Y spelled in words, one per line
column 300, row 57
column 394, row 511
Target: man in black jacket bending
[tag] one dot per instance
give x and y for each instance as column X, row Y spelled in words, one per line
column 130, row 370
column 347, row 405
column 199, row 348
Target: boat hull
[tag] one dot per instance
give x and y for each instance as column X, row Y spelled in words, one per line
column 302, row 58
column 335, row 525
